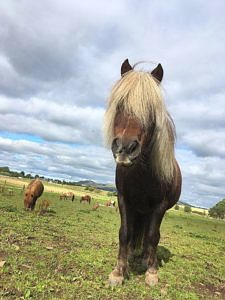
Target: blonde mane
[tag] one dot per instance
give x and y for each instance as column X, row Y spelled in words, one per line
column 140, row 96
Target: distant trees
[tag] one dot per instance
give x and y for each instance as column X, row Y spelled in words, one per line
column 4, row 169
column 187, row 209
column 89, row 188
column 22, row 174
column 28, row 176
column 8, row 172
column 218, row 211
column 111, row 194
column 176, row 207
column 92, row 189
column 97, row 188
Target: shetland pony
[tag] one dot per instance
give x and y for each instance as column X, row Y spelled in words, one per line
column 34, row 190
column 85, row 198
column 141, row 134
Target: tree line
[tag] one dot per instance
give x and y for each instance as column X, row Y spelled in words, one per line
column 7, row 172
column 218, row 210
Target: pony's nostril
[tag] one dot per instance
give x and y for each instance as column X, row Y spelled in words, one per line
column 120, row 150
column 133, row 146
column 116, row 145
column 116, row 142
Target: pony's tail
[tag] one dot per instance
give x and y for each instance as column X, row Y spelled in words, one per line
column 140, row 229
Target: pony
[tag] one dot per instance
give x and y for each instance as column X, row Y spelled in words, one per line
column 95, row 206
column 67, row 195
column 33, row 191
column 62, row 196
column 110, row 203
column 85, row 198
column 141, row 134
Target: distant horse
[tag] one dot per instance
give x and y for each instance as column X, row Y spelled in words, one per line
column 95, row 206
column 33, row 191
column 85, row 198
column 67, row 195
column 141, row 135
column 110, row 203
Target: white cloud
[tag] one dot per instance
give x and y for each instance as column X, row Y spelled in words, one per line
column 52, row 121
column 203, row 178
column 58, row 61
column 206, row 142
column 67, row 162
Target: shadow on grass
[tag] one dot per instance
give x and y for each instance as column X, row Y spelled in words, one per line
column 163, row 255
column 84, row 211
column 135, row 261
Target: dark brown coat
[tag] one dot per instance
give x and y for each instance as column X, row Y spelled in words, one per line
column 85, row 198
column 148, row 178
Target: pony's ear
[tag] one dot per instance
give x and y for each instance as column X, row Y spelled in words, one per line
column 126, row 67
column 157, row 73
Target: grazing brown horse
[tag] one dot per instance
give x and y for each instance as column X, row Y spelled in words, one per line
column 141, row 134
column 67, row 195
column 33, row 191
column 85, row 198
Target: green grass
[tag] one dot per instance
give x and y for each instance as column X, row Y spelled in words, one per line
column 68, row 253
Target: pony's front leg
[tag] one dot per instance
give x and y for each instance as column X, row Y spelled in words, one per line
column 33, row 204
column 150, row 246
column 117, row 276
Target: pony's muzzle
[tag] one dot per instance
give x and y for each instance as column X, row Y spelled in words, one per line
column 125, row 152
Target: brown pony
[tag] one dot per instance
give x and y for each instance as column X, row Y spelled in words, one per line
column 67, row 195
column 95, row 206
column 141, row 134
column 85, row 198
column 110, row 203
column 34, row 190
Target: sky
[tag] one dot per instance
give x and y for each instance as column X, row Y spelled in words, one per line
column 59, row 60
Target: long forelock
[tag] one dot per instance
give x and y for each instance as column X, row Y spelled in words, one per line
column 138, row 95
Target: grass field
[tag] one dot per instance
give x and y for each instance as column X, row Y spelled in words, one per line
column 68, row 252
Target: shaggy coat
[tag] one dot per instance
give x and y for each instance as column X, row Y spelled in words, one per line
column 141, row 134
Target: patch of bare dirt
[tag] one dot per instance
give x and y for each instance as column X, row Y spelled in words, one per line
column 3, row 255
column 206, row 290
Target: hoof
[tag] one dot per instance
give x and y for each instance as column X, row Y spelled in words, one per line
column 151, row 279
column 115, row 278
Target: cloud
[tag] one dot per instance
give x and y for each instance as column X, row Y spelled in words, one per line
column 206, row 143
column 58, row 61
column 52, row 121
column 65, row 161
column 203, row 178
